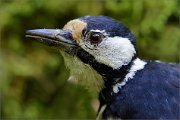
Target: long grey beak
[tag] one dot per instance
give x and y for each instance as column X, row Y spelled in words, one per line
column 52, row 37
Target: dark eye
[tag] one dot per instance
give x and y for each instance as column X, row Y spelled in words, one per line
column 95, row 38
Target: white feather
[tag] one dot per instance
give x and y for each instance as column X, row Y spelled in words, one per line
column 137, row 65
column 99, row 116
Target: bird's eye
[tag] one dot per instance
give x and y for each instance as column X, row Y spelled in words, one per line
column 95, row 38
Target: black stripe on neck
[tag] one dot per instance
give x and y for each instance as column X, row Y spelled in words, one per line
column 105, row 71
column 110, row 76
column 107, row 95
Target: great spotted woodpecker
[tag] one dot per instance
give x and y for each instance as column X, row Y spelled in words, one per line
column 130, row 88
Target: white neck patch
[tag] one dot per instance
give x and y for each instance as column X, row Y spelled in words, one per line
column 112, row 51
column 137, row 65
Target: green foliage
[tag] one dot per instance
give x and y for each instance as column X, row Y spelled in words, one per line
column 33, row 78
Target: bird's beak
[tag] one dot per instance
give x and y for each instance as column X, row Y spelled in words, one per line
column 52, row 37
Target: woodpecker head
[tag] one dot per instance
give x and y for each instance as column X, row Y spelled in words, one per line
column 102, row 42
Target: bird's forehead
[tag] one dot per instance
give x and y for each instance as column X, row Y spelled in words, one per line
column 76, row 26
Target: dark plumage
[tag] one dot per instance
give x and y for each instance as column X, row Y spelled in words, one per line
column 133, row 88
column 153, row 93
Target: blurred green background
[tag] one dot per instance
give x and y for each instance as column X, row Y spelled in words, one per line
column 33, row 76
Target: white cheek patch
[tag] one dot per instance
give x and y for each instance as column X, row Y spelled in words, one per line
column 113, row 51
